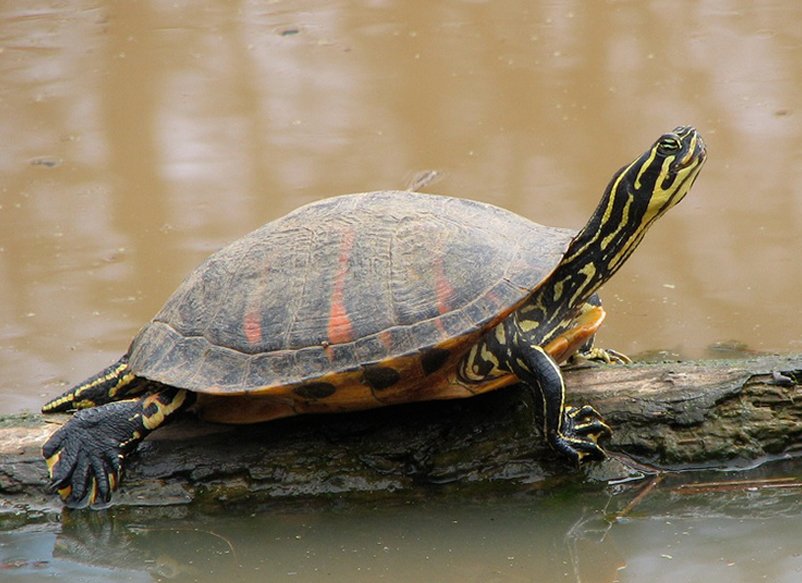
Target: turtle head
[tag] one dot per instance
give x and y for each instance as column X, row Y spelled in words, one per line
column 642, row 191
column 661, row 176
column 638, row 194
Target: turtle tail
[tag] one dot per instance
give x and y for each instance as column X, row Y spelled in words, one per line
column 111, row 384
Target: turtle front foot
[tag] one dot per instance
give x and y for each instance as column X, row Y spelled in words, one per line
column 84, row 456
column 578, row 439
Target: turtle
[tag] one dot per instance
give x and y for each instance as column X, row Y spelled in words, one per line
column 366, row 300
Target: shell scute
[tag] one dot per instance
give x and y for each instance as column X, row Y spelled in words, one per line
column 312, row 362
column 344, row 354
column 189, row 310
column 226, row 367
column 453, row 324
column 393, row 341
column 266, row 369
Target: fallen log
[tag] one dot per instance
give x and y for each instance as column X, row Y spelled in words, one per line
column 668, row 415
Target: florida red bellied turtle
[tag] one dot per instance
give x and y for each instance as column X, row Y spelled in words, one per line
column 366, row 300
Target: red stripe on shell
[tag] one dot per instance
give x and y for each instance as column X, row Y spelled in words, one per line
column 252, row 321
column 252, row 325
column 442, row 286
column 339, row 328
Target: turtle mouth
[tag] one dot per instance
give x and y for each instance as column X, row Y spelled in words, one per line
column 696, row 151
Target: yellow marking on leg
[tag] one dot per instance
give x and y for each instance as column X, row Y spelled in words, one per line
column 151, row 422
column 114, row 374
column 124, row 381
column 528, row 325
column 64, row 493
column 52, row 461
column 558, row 291
column 501, row 335
column 75, row 397
column 489, row 357
column 471, row 364
column 523, row 364
column 136, row 436
column 69, row 398
column 553, row 364
column 606, row 355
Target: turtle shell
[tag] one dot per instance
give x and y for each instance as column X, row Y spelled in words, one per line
column 340, row 287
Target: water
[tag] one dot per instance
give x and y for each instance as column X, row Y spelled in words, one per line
column 726, row 536
column 139, row 137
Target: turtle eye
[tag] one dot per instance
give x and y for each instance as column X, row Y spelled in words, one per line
column 669, row 144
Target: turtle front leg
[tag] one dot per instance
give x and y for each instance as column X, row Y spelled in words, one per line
column 85, row 456
column 572, row 431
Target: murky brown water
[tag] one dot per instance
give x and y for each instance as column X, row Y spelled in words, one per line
column 137, row 137
column 140, row 136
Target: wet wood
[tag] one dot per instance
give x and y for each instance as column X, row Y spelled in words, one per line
column 667, row 415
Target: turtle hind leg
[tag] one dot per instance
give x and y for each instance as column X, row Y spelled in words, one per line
column 113, row 383
column 85, row 456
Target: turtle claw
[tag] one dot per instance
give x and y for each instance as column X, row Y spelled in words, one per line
column 587, row 422
column 582, row 429
column 84, row 461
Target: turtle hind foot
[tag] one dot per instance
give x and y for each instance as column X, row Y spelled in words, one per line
column 113, row 383
column 84, row 456
column 579, row 437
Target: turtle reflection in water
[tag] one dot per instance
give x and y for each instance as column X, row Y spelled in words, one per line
column 367, row 300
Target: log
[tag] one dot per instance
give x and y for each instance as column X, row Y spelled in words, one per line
column 666, row 415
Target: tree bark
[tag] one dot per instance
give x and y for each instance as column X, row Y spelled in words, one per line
column 671, row 415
